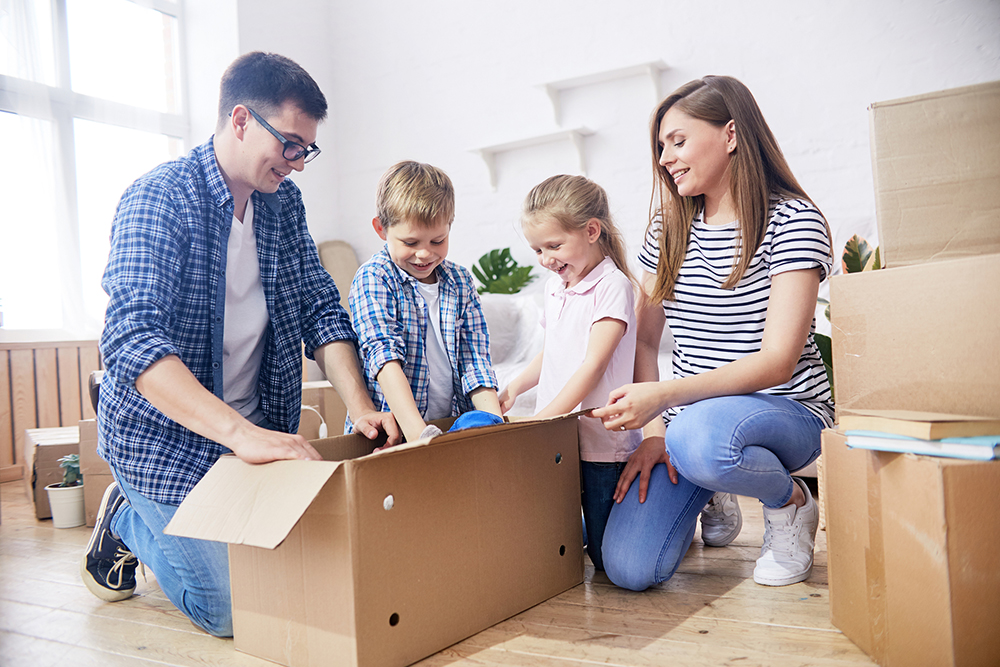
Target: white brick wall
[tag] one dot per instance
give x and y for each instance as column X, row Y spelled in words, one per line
column 432, row 80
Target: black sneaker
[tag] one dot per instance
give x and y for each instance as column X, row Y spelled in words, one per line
column 108, row 567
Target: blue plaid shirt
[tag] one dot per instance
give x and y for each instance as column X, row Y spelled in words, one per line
column 390, row 318
column 166, row 282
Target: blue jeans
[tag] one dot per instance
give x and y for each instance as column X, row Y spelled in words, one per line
column 597, row 481
column 736, row 444
column 193, row 574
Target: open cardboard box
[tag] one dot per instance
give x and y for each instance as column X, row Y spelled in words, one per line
column 385, row 558
column 912, row 546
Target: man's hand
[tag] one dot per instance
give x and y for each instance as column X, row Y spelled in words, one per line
column 260, row 445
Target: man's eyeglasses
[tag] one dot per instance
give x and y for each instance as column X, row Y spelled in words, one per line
column 292, row 151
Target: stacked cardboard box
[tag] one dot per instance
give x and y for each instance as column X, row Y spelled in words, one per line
column 95, row 470
column 913, row 541
column 43, row 447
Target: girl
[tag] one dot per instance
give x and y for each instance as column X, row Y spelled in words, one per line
column 589, row 321
column 735, row 253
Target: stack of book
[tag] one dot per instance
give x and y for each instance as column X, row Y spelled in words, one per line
column 927, row 433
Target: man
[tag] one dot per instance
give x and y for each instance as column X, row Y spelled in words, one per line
column 214, row 286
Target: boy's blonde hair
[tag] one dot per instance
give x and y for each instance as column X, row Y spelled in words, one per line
column 573, row 201
column 415, row 192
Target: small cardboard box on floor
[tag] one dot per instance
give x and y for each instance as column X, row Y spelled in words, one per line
column 95, row 470
column 912, row 544
column 936, row 165
column 43, row 447
column 924, row 337
column 383, row 559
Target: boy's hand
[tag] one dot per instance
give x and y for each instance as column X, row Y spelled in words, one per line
column 371, row 423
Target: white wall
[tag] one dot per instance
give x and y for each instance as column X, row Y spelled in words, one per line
column 430, row 81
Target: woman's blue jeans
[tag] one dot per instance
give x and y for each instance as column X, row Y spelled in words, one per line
column 745, row 445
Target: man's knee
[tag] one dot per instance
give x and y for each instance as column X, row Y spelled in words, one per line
column 219, row 624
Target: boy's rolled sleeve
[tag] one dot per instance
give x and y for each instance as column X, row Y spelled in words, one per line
column 475, row 365
column 374, row 314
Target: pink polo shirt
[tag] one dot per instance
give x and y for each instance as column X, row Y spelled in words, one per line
column 568, row 315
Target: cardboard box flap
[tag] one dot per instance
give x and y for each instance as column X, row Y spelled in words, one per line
column 256, row 505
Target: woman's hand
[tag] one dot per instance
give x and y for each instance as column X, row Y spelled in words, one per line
column 651, row 451
column 634, row 405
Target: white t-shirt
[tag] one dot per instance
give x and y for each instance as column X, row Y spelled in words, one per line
column 439, row 367
column 569, row 313
column 712, row 326
column 246, row 321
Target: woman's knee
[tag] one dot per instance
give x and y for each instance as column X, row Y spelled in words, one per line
column 624, row 570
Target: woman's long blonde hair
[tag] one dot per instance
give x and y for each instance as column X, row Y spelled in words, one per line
column 757, row 171
column 573, row 201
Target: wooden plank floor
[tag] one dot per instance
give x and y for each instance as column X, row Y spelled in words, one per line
column 710, row 613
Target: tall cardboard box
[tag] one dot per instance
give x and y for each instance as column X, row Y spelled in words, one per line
column 95, row 470
column 913, row 544
column 382, row 559
column 936, row 166
column 924, row 337
column 43, row 447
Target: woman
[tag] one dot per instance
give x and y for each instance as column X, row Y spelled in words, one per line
column 735, row 252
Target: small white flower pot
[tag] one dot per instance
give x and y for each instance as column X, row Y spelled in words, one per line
column 66, row 503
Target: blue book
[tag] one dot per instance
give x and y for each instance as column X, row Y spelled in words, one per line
column 978, row 448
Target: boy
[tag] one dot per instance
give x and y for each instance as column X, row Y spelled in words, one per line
column 421, row 331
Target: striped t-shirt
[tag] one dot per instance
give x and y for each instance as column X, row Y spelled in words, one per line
column 712, row 326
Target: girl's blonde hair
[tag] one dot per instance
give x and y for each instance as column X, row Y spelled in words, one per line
column 757, row 172
column 573, row 201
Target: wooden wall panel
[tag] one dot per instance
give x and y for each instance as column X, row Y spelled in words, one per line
column 22, row 373
column 47, row 388
column 42, row 384
column 69, row 385
column 8, row 458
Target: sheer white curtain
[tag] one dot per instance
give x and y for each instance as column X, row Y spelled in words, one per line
column 90, row 98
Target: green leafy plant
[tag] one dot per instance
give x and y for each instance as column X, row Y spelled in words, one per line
column 500, row 273
column 71, row 470
column 858, row 256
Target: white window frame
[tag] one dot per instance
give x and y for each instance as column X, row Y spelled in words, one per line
column 60, row 105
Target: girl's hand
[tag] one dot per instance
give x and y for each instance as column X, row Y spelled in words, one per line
column 506, row 400
column 634, row 405
column 651, row 451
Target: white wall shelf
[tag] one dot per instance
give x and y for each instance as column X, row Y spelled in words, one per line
column 652, row 69
column 575, row 136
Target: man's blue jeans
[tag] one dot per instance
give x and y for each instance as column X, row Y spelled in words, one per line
column 193, row 574
column 736, row 444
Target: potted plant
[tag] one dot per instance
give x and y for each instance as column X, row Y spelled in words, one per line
column 66, row 498
column 500, row 273
column 858, row 256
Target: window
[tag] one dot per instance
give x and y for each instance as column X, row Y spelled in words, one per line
column 91, row 97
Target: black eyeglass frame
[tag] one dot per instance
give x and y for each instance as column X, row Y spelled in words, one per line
column 299, row 151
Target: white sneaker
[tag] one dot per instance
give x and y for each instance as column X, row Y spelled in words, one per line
column 721, row 520
column 789, row 537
